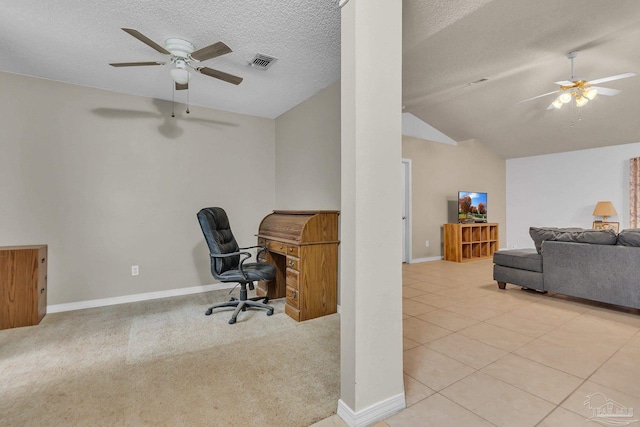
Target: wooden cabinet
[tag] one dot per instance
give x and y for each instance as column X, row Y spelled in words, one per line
column 303, row 246
column 467, row 242
column 23, row 285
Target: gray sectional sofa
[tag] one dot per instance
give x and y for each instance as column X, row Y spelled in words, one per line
column 598, row 265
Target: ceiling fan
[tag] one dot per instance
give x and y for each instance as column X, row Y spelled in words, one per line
column 183, row 54
column 582, row 90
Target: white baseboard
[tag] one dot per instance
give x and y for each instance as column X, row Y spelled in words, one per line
column 373, row 413
column 431, row 258
column 57, row 308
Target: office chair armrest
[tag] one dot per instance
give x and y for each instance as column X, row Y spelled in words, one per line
column 253, row 247
column 262, row 249
column 246, row 255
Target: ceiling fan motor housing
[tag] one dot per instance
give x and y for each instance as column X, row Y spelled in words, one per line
column 179, row 48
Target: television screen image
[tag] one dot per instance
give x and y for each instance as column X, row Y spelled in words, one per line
column 472, row 207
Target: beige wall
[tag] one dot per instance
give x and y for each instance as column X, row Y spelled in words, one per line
column 109, row 180
column 308, row 153
column 439, row 171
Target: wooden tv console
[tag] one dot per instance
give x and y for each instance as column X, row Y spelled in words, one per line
column 468, row 242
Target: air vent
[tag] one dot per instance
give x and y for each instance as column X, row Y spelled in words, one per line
column 262, row 62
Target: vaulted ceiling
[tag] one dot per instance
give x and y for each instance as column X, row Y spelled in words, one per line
column 518, row 46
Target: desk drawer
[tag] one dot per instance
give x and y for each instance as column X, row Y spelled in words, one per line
column 293, row 263
column 292, row 278
column 293, row 250
column 278, row 247
column 292, row 297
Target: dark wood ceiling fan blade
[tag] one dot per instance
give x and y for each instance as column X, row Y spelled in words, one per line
column 182, row 87
column 211, row 51
column 229, row 78
column 135, row 64
column 146, row 40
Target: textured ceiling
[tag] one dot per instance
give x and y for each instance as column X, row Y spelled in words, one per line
column 518, row 45
column 74, row 40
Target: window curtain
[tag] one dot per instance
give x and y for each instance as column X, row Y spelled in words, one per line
column 634, row 193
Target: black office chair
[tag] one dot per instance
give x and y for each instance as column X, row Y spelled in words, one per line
column 228, row 262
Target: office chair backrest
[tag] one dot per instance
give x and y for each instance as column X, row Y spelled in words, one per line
column 217, row 232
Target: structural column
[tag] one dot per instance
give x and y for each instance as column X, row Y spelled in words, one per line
column 371, row 212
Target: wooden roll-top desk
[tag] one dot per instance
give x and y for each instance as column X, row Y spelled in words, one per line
column 303, row 246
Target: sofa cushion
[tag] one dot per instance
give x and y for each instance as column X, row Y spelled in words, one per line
column 629, row 237
column 523, row 259
column 540, row 234
column 576, row 235
column 594, row 237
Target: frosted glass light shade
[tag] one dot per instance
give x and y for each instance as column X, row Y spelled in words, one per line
column 581, row 101
column 565, row 97
column 591, row 93
column 180, row 76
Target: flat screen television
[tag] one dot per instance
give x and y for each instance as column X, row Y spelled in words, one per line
column 472, row 207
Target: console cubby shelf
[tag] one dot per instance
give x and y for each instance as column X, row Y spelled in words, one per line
column 467, row 242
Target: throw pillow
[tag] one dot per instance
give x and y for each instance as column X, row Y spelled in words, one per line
column 629, row 237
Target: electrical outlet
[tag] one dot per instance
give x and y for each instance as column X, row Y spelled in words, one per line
column 135, row 270
column 427, row 244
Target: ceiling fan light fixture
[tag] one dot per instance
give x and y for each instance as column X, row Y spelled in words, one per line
column 557, row 103
column 591, row 93
column 581, row 101
column 180, row 76
column 565, row 97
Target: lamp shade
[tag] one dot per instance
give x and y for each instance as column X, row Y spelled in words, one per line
column 604, row 209
column 180, row 76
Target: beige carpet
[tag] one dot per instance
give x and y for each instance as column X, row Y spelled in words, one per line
column 164, row 362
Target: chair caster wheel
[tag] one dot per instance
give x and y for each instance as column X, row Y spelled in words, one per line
column 266, row 300
column 232, row 321
column 269, row 313
column 208, row 312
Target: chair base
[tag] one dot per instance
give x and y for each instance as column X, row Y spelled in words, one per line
column 242, row 304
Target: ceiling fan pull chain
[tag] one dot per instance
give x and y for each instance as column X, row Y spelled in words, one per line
column 187, row 100
column 173, row 102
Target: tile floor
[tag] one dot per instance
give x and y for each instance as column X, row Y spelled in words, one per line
column 475, row 355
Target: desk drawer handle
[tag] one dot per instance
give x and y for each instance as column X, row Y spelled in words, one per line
column 281, row 247
column 290, row 249
column 291, row 263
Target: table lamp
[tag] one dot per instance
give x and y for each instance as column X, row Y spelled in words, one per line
column 604, row 209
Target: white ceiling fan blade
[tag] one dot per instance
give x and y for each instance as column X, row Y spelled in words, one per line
column 564, row 83
column 551, row 107
column 606, row 91
column 611, row 78
column 539, row 96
